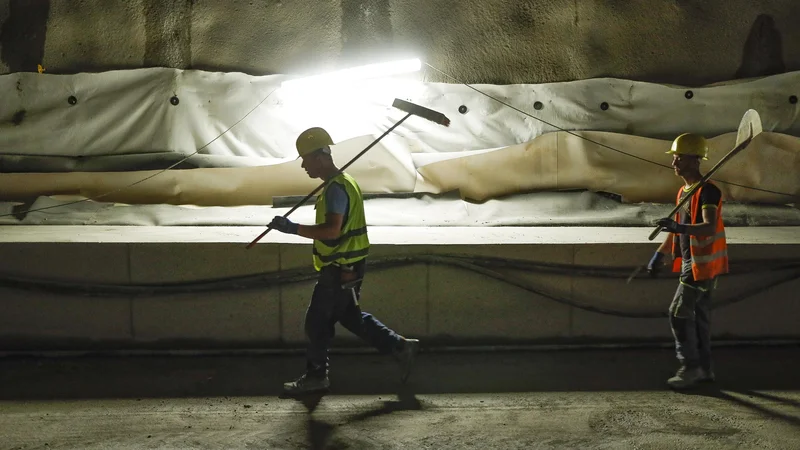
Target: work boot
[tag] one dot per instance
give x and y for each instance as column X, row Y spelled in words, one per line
column 708, row 375
column 307, row 384
column 405, row 357
column 686, row 377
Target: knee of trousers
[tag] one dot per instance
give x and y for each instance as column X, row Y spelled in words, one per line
column 680, row 309
column 679, row 327
column 316, row 331
column 316, row 325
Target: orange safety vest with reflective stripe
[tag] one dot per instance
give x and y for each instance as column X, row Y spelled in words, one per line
column 709, row 253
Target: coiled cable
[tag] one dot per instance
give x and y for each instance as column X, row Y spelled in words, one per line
column 487, row 266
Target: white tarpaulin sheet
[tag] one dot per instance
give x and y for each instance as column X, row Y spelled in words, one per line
column 92, row 133
column 127, row 112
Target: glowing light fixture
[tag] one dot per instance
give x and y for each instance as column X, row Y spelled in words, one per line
column 354, row 74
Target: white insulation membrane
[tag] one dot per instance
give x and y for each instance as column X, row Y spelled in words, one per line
column 108, row 137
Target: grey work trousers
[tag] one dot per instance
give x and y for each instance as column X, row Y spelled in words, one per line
column 690, row 320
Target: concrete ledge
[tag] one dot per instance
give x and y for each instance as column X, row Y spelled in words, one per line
column 378, row 235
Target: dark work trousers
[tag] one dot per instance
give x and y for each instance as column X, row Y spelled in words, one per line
column 690, row 319
column 332, row 303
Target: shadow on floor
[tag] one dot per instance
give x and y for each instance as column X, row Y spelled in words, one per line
column 320, row 432
column 742, row 397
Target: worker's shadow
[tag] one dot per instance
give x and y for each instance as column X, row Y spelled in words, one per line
column 716, row 391
column 320, row 432
column 406, row 401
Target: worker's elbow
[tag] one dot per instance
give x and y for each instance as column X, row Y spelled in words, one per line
column 332, row 233
column 707, row 230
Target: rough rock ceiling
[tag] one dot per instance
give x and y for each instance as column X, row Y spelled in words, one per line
column 688, row 42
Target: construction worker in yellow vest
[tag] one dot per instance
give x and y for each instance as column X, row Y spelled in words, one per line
column 341, row 246
column 696, row 241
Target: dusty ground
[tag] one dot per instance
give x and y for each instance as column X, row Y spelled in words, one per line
column 569, row 399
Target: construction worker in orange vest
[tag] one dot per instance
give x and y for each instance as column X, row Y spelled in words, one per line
column 700, row 254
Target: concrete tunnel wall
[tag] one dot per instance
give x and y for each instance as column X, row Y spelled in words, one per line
column 498, row 41
column 501, row 41
column 438, row 303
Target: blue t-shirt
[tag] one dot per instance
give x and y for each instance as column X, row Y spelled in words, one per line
column 336, row 200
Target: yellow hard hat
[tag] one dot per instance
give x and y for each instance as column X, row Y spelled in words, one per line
column 312, row 140
column 689, row 144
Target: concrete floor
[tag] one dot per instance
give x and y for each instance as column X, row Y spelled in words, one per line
column 588, row 399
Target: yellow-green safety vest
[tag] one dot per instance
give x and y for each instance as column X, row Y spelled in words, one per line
column 353, row 244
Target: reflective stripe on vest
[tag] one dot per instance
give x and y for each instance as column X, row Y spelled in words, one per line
column 356, row 254
column 352, row 245
column 349, row 234
column 702, row 259
column 709, row 253
column 704, row 241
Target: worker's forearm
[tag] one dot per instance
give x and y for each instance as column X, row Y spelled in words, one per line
column 700, row 229
column 666, row 246
column 320, row 232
